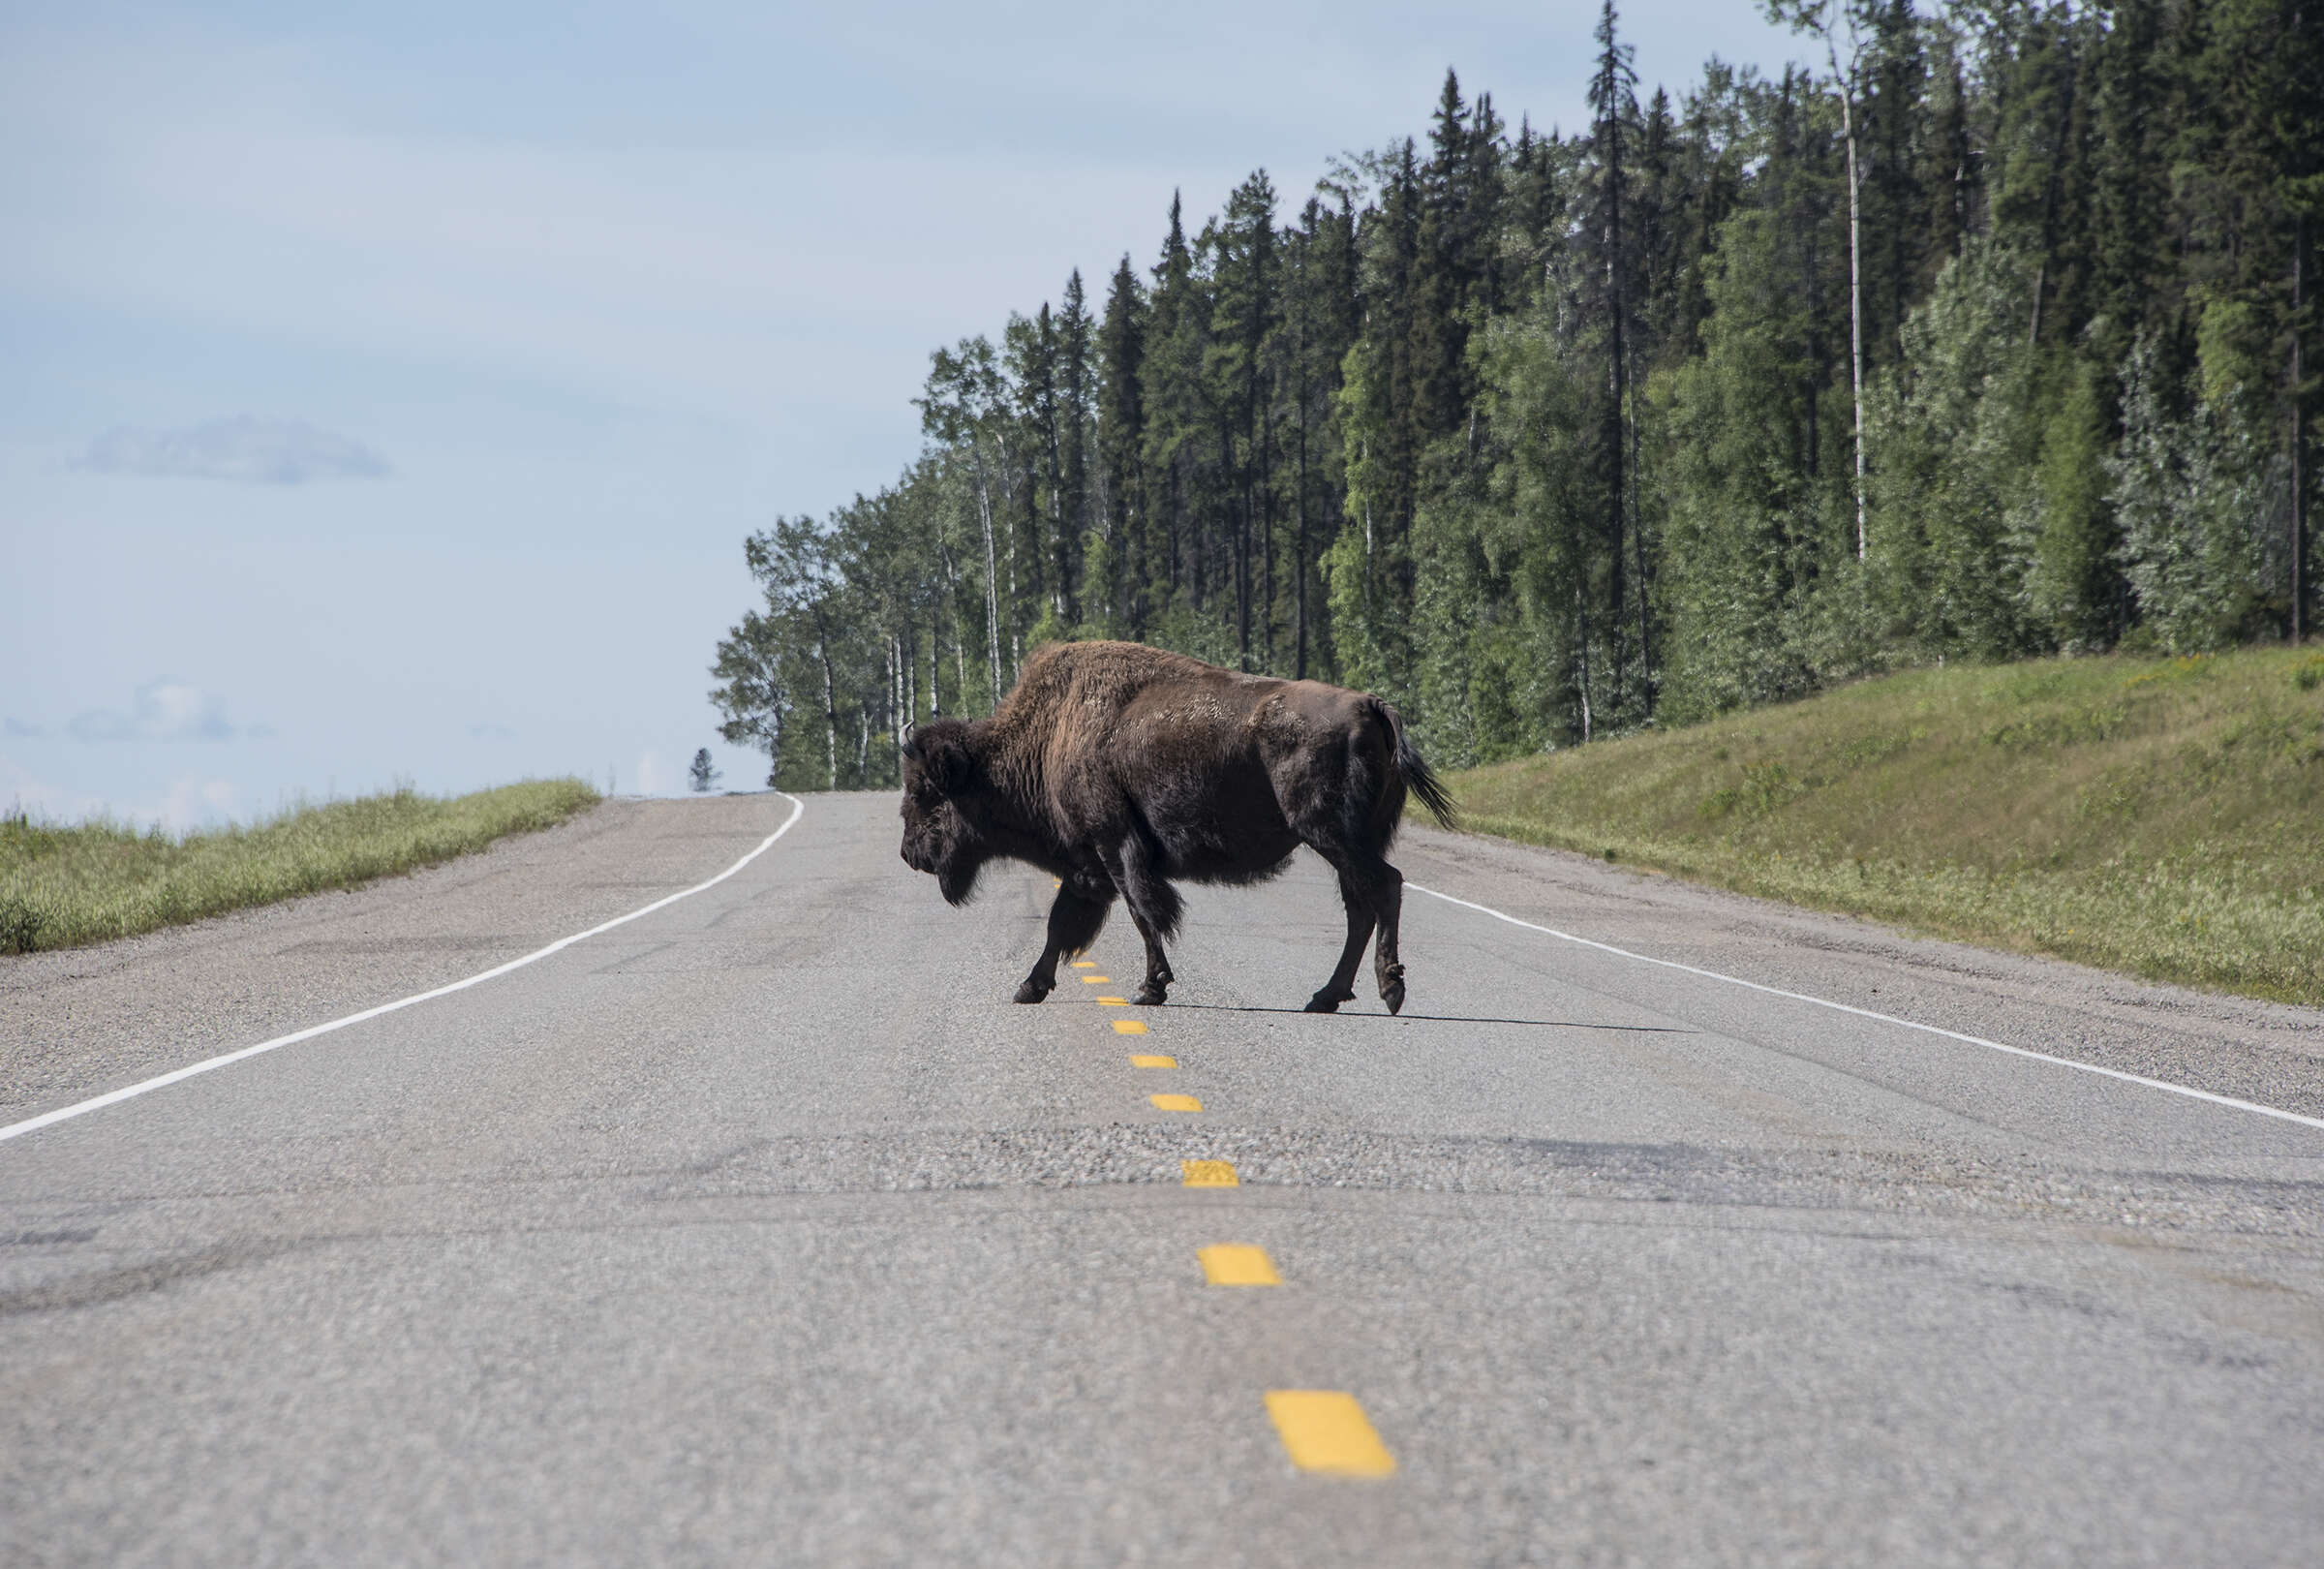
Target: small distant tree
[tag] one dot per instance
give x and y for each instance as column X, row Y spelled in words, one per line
column 702, row 776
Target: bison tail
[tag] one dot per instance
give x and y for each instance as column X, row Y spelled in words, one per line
column 1418, row 778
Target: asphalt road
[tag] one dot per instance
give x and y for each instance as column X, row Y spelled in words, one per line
column 764, row 1229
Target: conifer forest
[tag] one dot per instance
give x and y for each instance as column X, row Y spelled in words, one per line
column 1993, row 333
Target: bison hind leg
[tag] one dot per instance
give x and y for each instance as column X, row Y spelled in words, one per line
column 1363, row 914
column 1154, row 907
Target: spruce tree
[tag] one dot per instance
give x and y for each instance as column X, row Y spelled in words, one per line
column 1122, row 438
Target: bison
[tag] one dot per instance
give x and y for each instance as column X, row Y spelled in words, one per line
column 1119, row 769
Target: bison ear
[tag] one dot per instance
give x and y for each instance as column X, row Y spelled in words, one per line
column 941, row 748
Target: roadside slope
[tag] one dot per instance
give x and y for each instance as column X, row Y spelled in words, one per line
column 63, row 886
column 2164, row 817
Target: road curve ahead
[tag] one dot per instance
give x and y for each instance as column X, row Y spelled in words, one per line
column 763, row 1228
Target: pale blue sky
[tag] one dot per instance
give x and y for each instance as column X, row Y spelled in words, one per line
column 388, row 393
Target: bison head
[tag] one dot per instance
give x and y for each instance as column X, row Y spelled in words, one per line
column 941, row 784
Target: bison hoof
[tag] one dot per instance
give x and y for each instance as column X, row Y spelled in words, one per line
column 1152, row 996
column 1326, row 1001
column 1031, row 992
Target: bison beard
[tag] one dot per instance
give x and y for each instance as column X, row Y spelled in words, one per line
column 1118, row 768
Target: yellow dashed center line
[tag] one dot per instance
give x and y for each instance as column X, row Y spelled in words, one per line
column 1238, row 1264
column 1112, row 1002
column 1209, row 1174
column 1154, row 1061
column 1128, row 1027
column 1174, row 1103
column 1095, row 981
column 1325, row 1432
column 1085, row 963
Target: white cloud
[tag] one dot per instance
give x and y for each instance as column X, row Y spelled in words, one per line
column 192, row 802
column 653, row 776
column 245, row 450
column 195, row 802
column 163, row 710
column 24, row 792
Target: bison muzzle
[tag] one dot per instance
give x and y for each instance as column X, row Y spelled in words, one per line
column 1120, row 769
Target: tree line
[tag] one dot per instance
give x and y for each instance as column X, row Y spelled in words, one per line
column 1988, row 338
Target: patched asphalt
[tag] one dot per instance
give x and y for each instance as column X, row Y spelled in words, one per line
column 766, row 1229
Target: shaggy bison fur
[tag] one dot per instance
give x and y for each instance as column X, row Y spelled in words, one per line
column 1120, row 769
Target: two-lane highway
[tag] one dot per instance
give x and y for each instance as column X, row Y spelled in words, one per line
column 764, row 1228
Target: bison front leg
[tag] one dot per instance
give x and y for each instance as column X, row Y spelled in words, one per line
column 1362, row 913
column 1158, row 976
column 1075, row 918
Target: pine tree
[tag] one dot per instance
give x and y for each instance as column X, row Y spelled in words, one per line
column 1538, row 436
column 1615, row 101
column 1086, row 561
column 1121, row 439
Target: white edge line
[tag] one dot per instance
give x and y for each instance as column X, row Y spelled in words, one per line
column 112, row 1097
column 1884, row 1017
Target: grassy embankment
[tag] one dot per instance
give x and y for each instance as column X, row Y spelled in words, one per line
column 2160, row 817
column 62, row 886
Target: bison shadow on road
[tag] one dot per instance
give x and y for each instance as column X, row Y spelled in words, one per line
column 1445, row 1018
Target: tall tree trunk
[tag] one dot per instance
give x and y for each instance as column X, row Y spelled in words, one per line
column 1618, row 489
column 1581, row 650
column 1299, row 667
column 899, row 703
column 2299, row 431
column 1856, row 293
column 1008, row 502
column 984, row 509
column 830, row 715
column 1610, row 132
column 1637, row 546
column 959, row 651
column 1267, row 535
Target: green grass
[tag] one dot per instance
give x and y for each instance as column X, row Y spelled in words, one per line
column 2160, row 817
column 62, row 886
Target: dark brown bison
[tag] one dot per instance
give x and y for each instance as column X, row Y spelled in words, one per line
column 1118, row 768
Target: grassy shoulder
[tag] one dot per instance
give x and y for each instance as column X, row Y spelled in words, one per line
column 2160, row 817
column 64, row 886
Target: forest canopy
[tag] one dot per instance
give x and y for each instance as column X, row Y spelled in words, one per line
column 1993, row 337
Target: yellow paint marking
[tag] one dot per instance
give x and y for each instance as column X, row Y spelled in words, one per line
column 1095, row 981
column 1112, row 1002
column 1238, row 1264
column 1210, row 1173
column 1325, row 1431
column 1154, row 1061
column 1176, row 1103
column 1085, row 963
column 1128, row 1027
